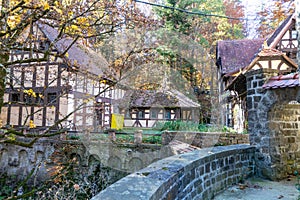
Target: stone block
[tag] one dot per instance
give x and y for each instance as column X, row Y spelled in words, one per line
column 207, row 168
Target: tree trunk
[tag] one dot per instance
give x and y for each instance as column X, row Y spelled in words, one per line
column 3, row 59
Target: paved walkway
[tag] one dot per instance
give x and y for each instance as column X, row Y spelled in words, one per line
column 260, row 189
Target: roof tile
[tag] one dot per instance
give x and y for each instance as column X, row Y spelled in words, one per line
column 282, row 81
column 237, row 54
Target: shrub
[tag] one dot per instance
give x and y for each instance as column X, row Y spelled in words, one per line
column 180, row 126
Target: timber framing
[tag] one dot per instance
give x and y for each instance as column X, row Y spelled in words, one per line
column 56, row 82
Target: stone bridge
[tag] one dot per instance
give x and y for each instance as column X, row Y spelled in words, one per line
column 196, row 175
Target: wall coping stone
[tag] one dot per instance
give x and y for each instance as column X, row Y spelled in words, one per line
column 152, row 181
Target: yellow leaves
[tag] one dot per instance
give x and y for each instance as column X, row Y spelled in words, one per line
column 118, row 62
column 43, row 4
column 57, row 7
column 31, row 124
column 89, row 99
column 66, row 2
column 46, row 6
column 74, row 27
column 103, row 81
column 30, row 92
column 13, row 21
column 27, row 1
column 13, row 3
column 82, row 20
column 56, row 4
column 71, row 13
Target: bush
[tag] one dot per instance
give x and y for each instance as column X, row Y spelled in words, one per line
column 180, row 126
column 152, row 139
column 190, row 126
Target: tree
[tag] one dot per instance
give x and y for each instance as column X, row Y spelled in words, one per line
column 84, row 21
column 204, row 22
column 74, row 22
column 271, row 15
column 88, row 19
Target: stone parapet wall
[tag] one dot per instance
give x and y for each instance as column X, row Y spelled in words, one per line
column 200, row 174
column 205, row 139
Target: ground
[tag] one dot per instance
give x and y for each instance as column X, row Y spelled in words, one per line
column 261, row 189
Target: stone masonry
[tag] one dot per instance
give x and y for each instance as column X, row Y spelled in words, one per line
column 273, row 125
column 200, row 174
column 205, row 139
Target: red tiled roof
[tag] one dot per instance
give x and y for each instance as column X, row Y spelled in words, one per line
column 282, row 81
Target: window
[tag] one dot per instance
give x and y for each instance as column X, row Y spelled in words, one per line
column 168, row 114
column 294, row 34
column 154, row 113
column 39, row 99
column 15, row 97
column 52, row 98
column 27, row 99
column 141, row 114
column 127, row 114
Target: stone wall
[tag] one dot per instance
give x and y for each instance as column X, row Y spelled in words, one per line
column 200, row 174
column 273, row 125
column 205, row 139
column 285, row 139
column 19, row 161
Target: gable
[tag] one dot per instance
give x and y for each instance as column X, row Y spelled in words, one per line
column 234, row 55
column 284, row 38
column 79, row 56
column 269, row 58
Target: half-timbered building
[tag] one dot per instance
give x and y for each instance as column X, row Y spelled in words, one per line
column 143, row 108
column 46, row 90
column 236, row 58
